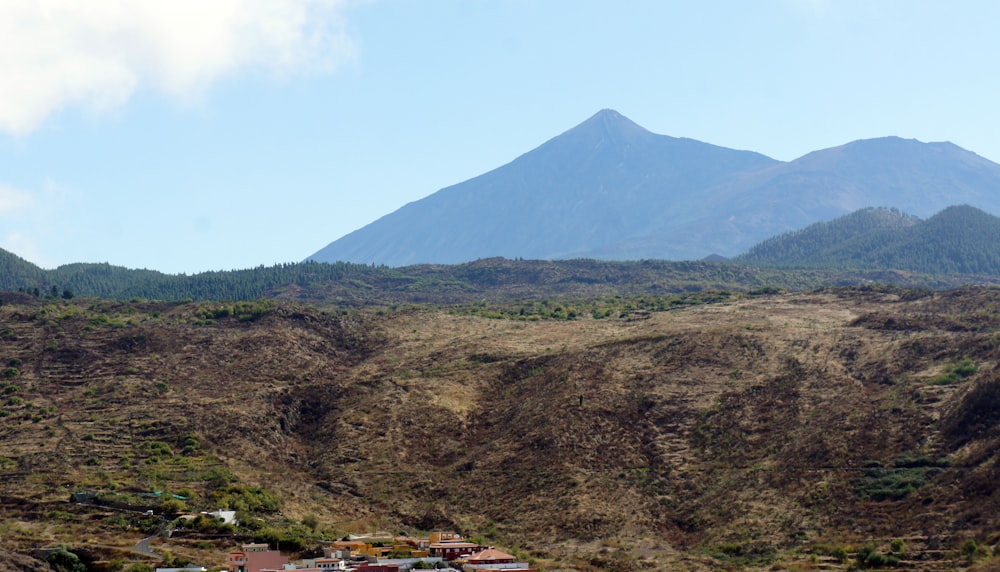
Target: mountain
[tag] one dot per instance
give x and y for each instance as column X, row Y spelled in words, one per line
column 917, row 178
column 958, row 240
column 610, row 189
column 605, row 181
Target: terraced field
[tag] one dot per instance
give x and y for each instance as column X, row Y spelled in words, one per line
column 799, row 431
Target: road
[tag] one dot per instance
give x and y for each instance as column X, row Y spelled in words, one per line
column 142, row 547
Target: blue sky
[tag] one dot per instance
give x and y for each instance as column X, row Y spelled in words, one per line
column 185, row 136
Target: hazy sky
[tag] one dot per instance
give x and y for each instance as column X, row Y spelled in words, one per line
column 184, row 135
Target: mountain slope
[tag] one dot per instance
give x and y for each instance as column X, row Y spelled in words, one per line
column 918, row 178
column 15, row 271
column 958, row 240
column 759, row 432
column 604, row 181
column 610, row 189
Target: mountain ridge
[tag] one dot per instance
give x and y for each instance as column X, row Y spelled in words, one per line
column 610, row 189
column 960, row 239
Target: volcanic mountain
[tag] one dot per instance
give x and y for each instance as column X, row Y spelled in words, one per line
column 610, row 189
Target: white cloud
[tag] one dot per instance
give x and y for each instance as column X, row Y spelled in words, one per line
column 96, row 53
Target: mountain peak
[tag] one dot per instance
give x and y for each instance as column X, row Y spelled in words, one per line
column 608, row 123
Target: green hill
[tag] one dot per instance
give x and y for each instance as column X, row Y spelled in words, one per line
column 492, row 279
column 958, row 240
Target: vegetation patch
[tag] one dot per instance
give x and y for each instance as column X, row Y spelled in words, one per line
column 743, row 555
column 956, row 373
column 899, row 480
column 869, row 557
column 618, row 306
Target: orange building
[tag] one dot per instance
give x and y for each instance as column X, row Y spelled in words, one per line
column 441, row 536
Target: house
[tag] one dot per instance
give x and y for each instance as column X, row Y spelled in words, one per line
column 406, row 564
column 348, row 548
column 255, row 558
column 227, row 516
column 329, row 564
column 453, row 550
column 444, row 536
column 490, row 556
column 416, row 543
column 366, row 567
column 493, row 559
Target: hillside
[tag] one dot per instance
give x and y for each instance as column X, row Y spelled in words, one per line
column 609, row 189
column 958, row 240
column 347, row 285
column 749, row 432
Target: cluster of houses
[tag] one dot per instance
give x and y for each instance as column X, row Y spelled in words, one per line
column 441, row 550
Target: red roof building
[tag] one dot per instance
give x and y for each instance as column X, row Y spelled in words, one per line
column 490, row 556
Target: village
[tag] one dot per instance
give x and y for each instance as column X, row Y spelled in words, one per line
column 441, row 550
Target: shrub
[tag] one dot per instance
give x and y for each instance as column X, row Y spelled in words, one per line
column 868, row 557
column 907, row 474
column 158, row 449
column 310, row 522
column 956, row 372
column 839, row 553
column 190, row 444
column 173, row 506
column 62, row 560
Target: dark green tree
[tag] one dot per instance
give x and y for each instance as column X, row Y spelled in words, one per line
column 62, row 560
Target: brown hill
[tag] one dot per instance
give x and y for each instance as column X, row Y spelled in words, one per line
column 758, row 432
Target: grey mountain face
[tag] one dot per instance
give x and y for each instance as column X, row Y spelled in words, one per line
column 609, row 189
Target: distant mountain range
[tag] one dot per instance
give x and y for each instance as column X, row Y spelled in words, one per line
column 609, row 189
column 958, row 240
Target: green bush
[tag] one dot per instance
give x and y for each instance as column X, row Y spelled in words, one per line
column 956, row 372
column 241, row 498
column 839, row 553
column 157, row 449
column 907, row 474
column 868, row 557
column 62, row 560
column 173, row 506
